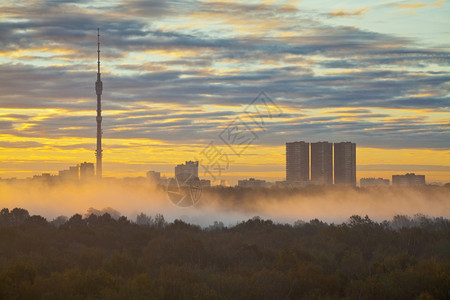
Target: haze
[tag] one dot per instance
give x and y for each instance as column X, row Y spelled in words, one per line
column 331, row 205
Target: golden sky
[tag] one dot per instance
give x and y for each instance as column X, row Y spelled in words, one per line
column 177, row 74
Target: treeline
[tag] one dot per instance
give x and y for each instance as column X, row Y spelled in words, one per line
column 99, row 256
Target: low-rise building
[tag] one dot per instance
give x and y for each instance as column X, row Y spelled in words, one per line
column 71, row 175
column 87, row 172
column 409, row 179
column 373, row 182
column 205, row 183
column 252, row 183
column 154, row 177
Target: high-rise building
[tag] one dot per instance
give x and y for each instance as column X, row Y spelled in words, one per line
column 297, row 162
column 322, row 162
column 186, row 172
column 87, row 172
column 345, row 163
column 409, row 179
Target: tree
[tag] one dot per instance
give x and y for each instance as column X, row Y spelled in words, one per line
column 4, row 217
column 160, row 222
column 18, row 216
column 36, row 221
column 75, row 221
column 58, row 221
column 143, row 219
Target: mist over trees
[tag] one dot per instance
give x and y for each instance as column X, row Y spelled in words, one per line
column 101, row 256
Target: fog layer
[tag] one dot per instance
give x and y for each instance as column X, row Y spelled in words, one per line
column 227, row 205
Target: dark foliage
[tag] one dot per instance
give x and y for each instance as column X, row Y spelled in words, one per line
column 103, row 257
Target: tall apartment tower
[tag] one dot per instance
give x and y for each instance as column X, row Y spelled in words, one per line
column 322, row 162
column 345, row 163
column 297, row 162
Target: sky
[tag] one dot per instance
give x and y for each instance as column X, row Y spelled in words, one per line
column 178, row 75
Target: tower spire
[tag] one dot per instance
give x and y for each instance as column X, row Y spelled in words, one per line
column 98, row 50
column 98, row 91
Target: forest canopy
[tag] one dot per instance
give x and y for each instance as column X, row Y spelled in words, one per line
column 105, row 256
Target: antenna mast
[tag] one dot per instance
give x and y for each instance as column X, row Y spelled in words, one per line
column 98, row 91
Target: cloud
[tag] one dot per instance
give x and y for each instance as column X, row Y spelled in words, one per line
column 156, row 8
column 414, row 6
column 348, row 13
column 21, row 145
column 403, row 168
column 5, row 125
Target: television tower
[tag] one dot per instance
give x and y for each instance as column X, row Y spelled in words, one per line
column 98, row 91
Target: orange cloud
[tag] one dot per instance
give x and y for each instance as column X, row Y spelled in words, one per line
column 344, row 13
column 419, row 5
column 414, row 6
